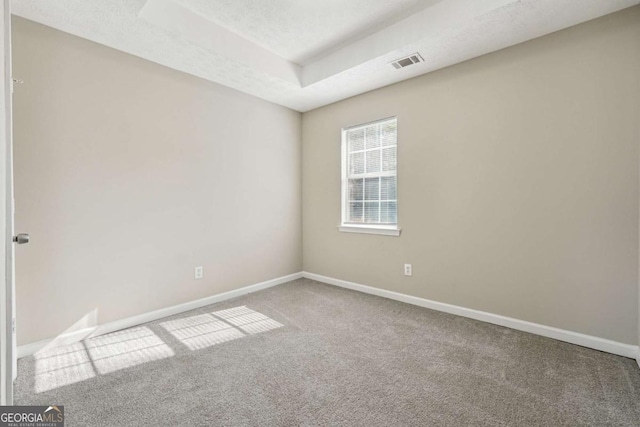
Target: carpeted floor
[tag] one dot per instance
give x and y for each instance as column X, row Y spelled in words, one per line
column 305, row 353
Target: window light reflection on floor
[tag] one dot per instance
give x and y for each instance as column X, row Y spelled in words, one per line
column 100, row 355
column 125, row 349
column 248, row 320
column 201, row 331
column 205, row 330
column 62, row 366
column 109, row 353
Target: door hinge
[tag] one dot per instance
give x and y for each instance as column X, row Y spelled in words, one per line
column 13, row 325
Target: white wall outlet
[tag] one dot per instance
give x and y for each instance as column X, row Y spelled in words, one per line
column 408, row 271
column 199, row 272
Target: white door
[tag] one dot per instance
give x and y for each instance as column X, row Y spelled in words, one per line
column 8, row 354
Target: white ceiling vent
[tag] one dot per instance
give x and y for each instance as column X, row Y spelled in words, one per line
column 414, row 58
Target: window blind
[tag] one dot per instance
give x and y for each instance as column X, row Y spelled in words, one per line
column 371, row 183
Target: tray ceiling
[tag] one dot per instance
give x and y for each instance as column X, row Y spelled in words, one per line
column 304, row 54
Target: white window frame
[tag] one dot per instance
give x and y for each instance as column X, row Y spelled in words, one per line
column 346, row 227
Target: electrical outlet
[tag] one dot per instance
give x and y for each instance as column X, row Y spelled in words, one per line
column 408, row 271
column 199, row 272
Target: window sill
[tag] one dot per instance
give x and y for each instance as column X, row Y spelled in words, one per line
column 370, row 229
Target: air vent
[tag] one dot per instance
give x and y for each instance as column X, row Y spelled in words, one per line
column 407, row 60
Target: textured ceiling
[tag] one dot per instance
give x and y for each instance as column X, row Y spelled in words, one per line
column 352, row 52
column 298, row 30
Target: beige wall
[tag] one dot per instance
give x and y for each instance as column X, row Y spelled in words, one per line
column 129, row 174
column 518, row 183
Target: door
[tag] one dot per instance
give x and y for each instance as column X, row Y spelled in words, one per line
column 7, row 283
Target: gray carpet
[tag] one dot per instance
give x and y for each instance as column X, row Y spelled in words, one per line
column 305, row 353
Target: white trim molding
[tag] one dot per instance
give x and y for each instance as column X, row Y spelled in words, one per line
column 596, row 343
column 369, row 230
column 75, row 336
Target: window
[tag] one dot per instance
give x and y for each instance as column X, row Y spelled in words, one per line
column 369, row 182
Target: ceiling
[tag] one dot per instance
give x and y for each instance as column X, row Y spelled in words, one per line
column 304, row 54
column 300, row 30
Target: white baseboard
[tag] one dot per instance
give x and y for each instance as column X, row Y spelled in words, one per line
column 614, row 347
column 75, row 336
column 601, row 344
